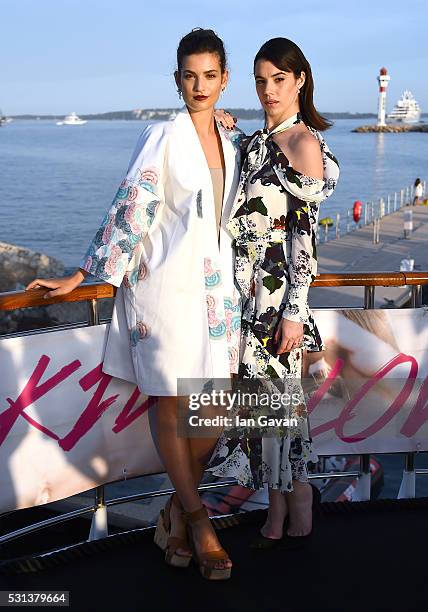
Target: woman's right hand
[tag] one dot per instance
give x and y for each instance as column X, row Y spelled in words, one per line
column 58, row 286
column 225, row 119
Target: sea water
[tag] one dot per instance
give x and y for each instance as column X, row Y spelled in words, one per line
column 58, row 181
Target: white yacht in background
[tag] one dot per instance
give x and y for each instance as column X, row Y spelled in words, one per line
column 72, row 119
column 4, row 119
column 406, row 110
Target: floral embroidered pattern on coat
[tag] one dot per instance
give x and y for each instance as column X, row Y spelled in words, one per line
column 123, row 227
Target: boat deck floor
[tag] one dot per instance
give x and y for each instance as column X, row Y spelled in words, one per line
column 367, row 556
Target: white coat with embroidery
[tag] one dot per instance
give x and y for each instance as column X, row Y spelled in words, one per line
column 177, row 311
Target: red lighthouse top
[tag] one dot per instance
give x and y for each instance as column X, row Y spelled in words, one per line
column 383, row 71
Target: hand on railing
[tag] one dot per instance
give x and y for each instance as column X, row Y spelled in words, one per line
column 58, row 286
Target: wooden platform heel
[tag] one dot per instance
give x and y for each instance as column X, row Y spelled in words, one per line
column 168, row 543
column 207, row 560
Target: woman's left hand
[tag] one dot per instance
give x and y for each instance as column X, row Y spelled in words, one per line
column 225, row 119
column 288, row 336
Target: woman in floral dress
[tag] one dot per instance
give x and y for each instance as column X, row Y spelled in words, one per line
column 288, row 171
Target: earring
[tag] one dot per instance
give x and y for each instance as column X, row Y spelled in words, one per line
column 179, row 93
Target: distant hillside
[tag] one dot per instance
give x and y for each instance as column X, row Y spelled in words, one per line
column 154, row 114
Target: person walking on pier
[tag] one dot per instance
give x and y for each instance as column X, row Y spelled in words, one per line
column 288, row 170
column 418, row 192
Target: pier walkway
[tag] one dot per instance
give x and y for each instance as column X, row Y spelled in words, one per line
column 355, row 252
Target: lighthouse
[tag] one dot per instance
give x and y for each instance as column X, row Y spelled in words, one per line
column 383, row 80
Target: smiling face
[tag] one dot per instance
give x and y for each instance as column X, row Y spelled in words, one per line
column 201, row 80
column 277, row 91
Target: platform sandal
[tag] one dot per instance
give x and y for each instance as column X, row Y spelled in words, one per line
column 168, row 543
column 206, row 560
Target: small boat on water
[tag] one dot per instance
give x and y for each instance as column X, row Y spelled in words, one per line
column 406, row 110
column 4, row 119
column 72, row 119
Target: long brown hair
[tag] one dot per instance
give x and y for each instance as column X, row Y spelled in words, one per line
column 287, row 56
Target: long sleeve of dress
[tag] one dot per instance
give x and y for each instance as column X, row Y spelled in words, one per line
column 303, row 261
column 132, row 211
column 305, row 194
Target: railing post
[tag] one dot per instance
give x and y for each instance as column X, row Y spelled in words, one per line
column 363, row 489
column 416, row 299
column 408, row 481
column 365, row 213
column 99, row 522
column 388, row 204
column 93, row 312
column 408, row 223
column 369, row 292
column 401, row 198
column 376, row 229
column 337, row 225
column 348, row 226
column 395, row 201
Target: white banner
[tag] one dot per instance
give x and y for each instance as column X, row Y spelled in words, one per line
column 66, row 427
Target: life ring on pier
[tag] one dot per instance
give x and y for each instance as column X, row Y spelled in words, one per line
column 357, row 210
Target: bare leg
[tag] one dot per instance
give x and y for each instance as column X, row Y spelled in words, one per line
column 201, row 448
column 300, row 509
column 183, row 471
column 277, row 512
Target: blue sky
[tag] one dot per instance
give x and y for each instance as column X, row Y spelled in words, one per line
column 102, row 55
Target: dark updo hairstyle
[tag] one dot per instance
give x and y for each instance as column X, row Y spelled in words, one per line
column 201, row 41
column 288, row 57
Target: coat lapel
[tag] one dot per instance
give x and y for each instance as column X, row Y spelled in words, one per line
column 201, row 177
column 193, row 153
column 229, row 156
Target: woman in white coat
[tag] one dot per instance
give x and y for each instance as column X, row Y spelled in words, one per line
column 165, row 245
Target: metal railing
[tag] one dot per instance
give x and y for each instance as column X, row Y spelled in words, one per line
column 373, row 211
column 91, row 293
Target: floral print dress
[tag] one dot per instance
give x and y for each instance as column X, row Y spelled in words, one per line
column 273, row 221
